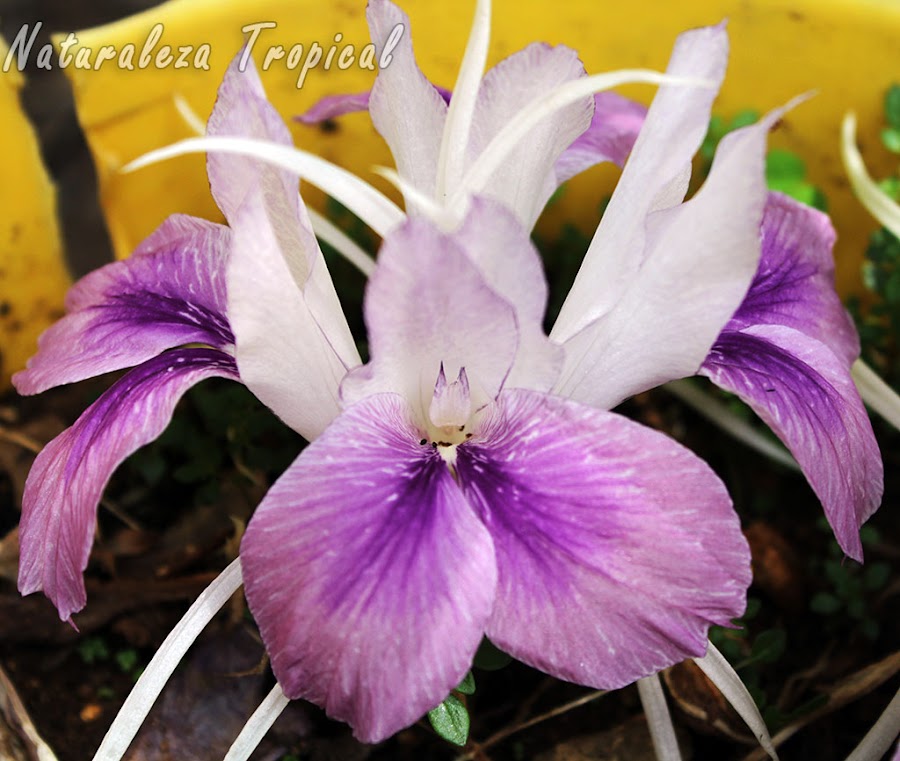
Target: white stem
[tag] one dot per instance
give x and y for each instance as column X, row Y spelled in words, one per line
column 721, row 674
column 257, row 725
column 416, row 199
column 373, row 207
column 876, row 393
column 191, row 117
column 138, row 704
column 718, row 413
column 458, row 124
column 878, row 739
column 872, row 197
column 662, row 731
column 520, row 125
column 341, row 242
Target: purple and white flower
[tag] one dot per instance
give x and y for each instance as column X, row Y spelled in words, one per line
column 471, row 480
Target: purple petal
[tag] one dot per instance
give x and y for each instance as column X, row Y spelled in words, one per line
column 611, row 136
column 59, row 507
column 527, row 179
column 333, row 106
column 805, row 394
column 655, row 177
column 496, row 241
column 369, row 575
column 794, row 285
column 170, row 293
column 406, row 109
column 427, row 303
column 292, row 345
column 616, row 547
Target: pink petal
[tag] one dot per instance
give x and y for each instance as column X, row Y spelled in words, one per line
column 369, row 575
column 616, row 547
column 59, row 507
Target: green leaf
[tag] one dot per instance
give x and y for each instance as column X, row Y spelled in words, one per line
column 824, row 603
column 892, row 106
column 451, row 720
column 891, row 139
column 467, row 685
column 744, row 119
column 784, row 165
column 127, row 659
column 490, row 658
column 876, row 575
column 769, row 646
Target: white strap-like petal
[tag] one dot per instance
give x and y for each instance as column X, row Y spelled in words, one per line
column 327, row 231
column 373, row 207
column 878, row 739
column 720, row 672
column 138, row 704
column 872, row 197
column 877, row 394
column 656, row 711
column 257, row 725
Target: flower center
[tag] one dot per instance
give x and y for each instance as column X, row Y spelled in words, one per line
column 449, row 413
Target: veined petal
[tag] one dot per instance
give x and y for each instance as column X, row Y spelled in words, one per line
column 700, row 258
column 610, row 136
column 170, row 293
column 293, row 346
column 616, row 547
column 794, row 285
column 334, row 106
column 805, row 394
column 654, row 178
column 59, row 507
column 406, row 109
column 526, row 178
column 369, row 575
column 495, row 240
column 428, row 303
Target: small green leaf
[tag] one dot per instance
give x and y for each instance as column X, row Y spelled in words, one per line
column 490, row 658
column 784, row 165
column 451, row 720
column 744, row 118
column 127, row 659
column 824, row 603
column 890, row 136
column 93, row 649
column 467, row 685
column 892, row 106
column 769, row 646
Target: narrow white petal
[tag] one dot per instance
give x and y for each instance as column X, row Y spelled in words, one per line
column 257, row 725
column 341, row 242
column 719, row 414
column 543, row 107
column 148, row 687
column 877, row 394
column 872, row 197
column 878, row 739
column 658, row 719
column 455, row 136
column 720, row 672
column 373, row 207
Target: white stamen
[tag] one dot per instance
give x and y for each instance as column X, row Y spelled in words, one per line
column 876, row 393
column 656, row 711
column 191, row 117
column 373, row 207
column 721, row 674
column 872, row 197
column 341, row 242
column 517, row 128
column 455, row 137
column 718, row 413
column 416, row 199
column 138, row 704
column 257, row 725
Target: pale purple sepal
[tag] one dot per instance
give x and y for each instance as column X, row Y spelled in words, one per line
column 171, row 292
column 334, row 106
column 59, row 506
column 794, row 285
column 526, row 178
column 616, row 547
column 428, row 303
column 369, row 575
column 610, row 137
column 805, row 394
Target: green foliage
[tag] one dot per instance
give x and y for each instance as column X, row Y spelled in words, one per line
column 451, row 720
column 786, row 173
column 467, row 685
column 93, row 649
column 490, row 657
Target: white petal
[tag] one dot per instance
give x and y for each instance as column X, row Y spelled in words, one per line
column 876, row 393
column 878, row 739
column 662, row 731
column 257, row 725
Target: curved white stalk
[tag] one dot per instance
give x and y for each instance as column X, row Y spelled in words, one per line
column 718, row 413
column 373, row 207
column 458, row 124
column 518, row 127
column 327, row 231
column 138, row 704
column 721, row 674
column 876, row 393
column 662, row 731
column 257, row 725
column 442, row 216
column 870, row 195
column 879, row 738
column 191, row 117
